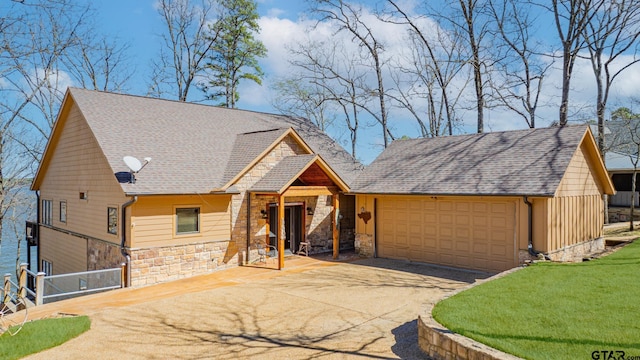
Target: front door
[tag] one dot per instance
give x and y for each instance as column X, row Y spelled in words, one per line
column 292, row 226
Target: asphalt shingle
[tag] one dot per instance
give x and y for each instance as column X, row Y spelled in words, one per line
column 194, row 147
column 522, row 162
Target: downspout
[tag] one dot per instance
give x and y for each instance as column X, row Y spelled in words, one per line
column 532, row 252
column 123, row 250
column 38, row 230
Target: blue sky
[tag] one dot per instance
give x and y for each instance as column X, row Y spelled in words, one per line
column 284, row 22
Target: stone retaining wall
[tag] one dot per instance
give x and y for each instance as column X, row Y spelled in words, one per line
column 440, row 343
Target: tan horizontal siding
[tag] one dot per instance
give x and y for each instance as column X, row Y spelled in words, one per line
column 67, row 253
column 153, row 220
column 78, row 165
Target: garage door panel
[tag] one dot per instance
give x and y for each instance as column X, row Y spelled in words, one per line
column 462, row 233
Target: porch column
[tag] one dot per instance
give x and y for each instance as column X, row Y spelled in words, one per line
column 280, row 232
column 336, row 222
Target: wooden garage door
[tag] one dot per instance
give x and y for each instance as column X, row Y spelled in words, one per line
column 462, row 233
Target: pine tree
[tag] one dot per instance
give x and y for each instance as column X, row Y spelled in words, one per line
column 234, row 54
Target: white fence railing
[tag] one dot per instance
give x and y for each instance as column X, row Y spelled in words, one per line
column 40, row 288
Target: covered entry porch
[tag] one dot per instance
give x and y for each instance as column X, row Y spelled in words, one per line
column 296, row 206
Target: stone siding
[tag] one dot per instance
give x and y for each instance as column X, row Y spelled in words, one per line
column 161, row 264
column 439, row 343
column 287, row 147
column 578, row 251
column 103, row 255
column 364, row 244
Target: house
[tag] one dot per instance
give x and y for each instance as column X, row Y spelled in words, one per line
column 621, row 168
column 484, row 201
column 216, row 184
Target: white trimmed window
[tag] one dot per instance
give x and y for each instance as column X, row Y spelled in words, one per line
column 63, row 211
column 112, row 220
column 47, row 267
column 187, row 220
column 47, row 215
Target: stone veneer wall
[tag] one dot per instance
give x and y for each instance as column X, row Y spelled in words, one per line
column 156, row 265
column 364, row 244
column 103, row 255
column 573, row 253
column 287, row 147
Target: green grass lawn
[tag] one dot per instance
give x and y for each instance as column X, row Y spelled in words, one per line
column 555, row 311
column 40, row 335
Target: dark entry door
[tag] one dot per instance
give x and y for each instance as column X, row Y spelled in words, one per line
column 292, row 226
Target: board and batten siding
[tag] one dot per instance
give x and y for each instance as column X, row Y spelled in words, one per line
column 153, row 220
column 77, row 166
column 576, row 213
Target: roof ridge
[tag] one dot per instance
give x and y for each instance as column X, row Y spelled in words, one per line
column 73, row 88
column 492, row 132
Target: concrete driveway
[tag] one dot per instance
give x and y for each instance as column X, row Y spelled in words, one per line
column 364, row 309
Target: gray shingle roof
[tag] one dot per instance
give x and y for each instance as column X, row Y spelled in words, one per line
column 246, row 148
column 523, row 162
column 282, row 173
column 193, row 147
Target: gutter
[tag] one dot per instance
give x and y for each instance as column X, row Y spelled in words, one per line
column 532, row 251
column 123, row 250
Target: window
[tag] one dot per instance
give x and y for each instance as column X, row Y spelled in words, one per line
column 187, row 220
column 47, row 267
column 112, row 220
column 46, row 212
column 63, row 211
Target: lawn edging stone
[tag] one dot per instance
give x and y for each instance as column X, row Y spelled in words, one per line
column 440, row 343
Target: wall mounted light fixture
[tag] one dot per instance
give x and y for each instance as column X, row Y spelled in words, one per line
column 263, row 213
column 309, row 211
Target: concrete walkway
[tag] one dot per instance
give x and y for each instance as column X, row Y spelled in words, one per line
column 311, row 310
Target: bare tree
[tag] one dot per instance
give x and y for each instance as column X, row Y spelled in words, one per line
column 99, row 64
column 331, row 69
column 612, row 31
column 571, row 17
column 185, row 46
column 435, row 65
column 522, row 69
column 35, row 39
column 348, row 17
column 297, row 96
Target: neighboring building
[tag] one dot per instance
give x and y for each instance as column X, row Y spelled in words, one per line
column 484, row 201
column 621, row 168
column 217, row 182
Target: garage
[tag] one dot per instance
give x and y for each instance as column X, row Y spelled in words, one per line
column 486, row 201
column 467, row 233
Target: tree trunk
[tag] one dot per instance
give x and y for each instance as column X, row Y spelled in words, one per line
column 566, row 83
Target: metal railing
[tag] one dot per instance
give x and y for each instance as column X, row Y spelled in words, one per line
column 66, row 286
column 38, row 288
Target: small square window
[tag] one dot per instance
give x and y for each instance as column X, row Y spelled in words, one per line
column 63, row 211
column 112, row 220
column 84, row 196
column 187, row 220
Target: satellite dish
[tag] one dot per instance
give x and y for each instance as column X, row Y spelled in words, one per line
column 134, row 164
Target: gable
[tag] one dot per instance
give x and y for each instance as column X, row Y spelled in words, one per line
column 74, row 160
column 250, row 150
column 585, row 174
